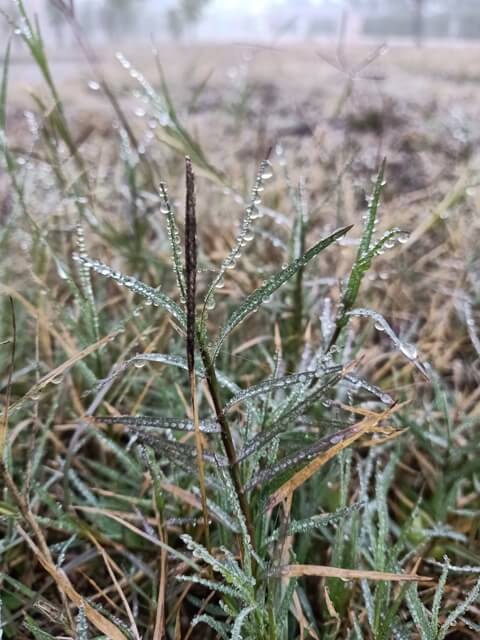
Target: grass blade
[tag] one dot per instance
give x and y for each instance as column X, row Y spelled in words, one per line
column 152, row 423
column 356, row 431
column 258, row 297
column 153, row 296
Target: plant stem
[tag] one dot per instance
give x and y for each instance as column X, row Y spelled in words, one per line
column 190, row 285
column 226, row 434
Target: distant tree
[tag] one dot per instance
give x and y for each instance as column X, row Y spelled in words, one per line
column 119, row 17
column 185, row 15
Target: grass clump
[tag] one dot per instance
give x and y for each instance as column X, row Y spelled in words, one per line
column 189, row 447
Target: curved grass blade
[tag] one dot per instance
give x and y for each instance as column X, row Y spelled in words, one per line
column 370, row 424
column 153, row 296
column 214, row 586
column 280, row 420
column 268, row 385
column 300, row 457
column 459, row 610
column 240, row 621
column 258, row 297
column 360, row 383
column 361, row 266
column 176, row 452
column 315, row 522
column 170, row 360
column 229, row 570
column 408, row 350
column 219, row 627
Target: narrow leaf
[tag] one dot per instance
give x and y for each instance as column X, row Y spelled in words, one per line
column 258, row 297
column 150, row 423
column 153, row 296
column 367, row 425
column 300, row 457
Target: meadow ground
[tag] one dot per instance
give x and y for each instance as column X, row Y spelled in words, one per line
column 92, row 537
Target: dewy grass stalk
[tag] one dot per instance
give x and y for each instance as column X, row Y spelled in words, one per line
column 190, row 302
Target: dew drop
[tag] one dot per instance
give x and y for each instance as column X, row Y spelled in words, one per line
column 139, row 364
column 255, row 211
column 267, row 172
column 93, row 85
column 336, row 439
column 409, row 350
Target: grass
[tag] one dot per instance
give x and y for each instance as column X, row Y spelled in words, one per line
column 256, row 427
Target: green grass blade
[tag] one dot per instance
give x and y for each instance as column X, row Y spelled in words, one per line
column 419, row 614
column 459, row 610
column 153, row 296
column 269, row 385
column 437, row 600
column 35, row 630
column 258, row 297
column 152, row 423
column 364, row 255
column 214, row 586
column 240, row 621
column 173, row 239
column 297, row 458
column 373, row 203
